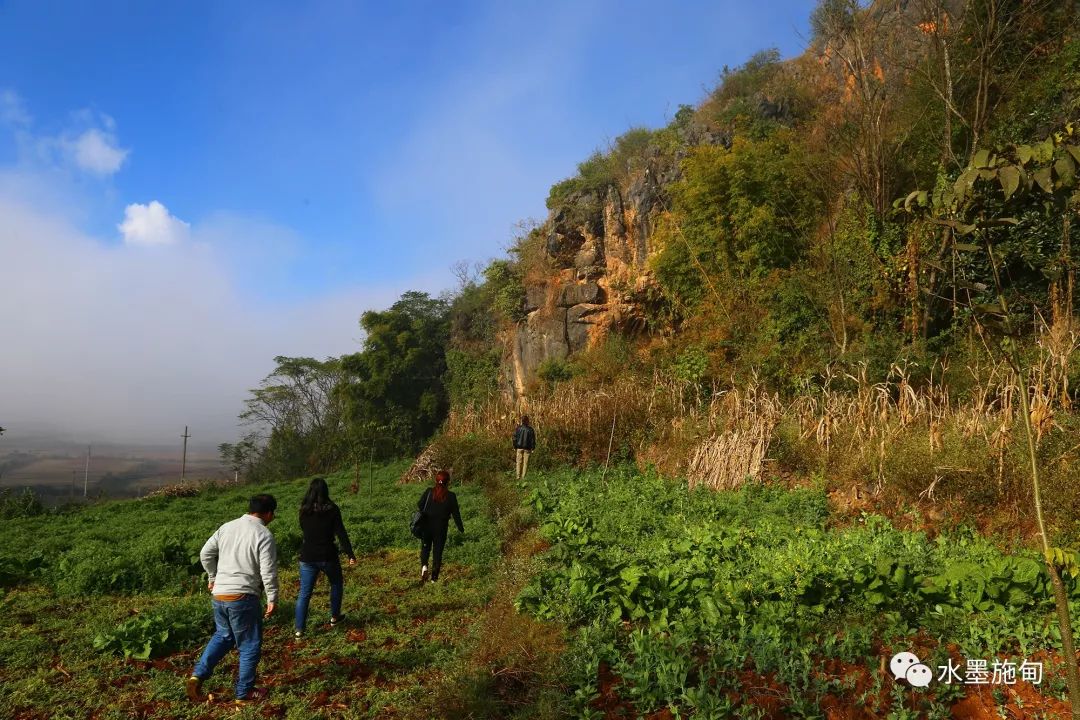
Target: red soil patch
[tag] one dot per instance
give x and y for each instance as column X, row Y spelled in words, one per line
column 762, row 691
column 664, row 714
column 122, row 681
column 1023, row 701
column 28, row 714
column 361, row 672
column 609, row 701
column 167, row 663
column 860, row 680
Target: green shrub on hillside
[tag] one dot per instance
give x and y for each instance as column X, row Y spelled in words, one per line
column 471, row 377
column 504, row 286
column 594, row 176
column 22, row 504
column 555, row 370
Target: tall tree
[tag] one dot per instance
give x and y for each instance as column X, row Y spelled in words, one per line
column 856, row 42
column 397, row 379
column 297, row 418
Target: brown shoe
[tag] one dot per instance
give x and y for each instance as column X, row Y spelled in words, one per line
column 193, row 688
column 254, row 695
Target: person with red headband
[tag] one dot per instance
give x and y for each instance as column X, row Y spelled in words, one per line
column 438, row 505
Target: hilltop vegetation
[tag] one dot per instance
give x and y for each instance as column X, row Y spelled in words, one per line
column 785, row 247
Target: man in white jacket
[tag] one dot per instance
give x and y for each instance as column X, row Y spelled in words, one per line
column 240, row 560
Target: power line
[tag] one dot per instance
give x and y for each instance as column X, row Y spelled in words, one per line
column 55, row 478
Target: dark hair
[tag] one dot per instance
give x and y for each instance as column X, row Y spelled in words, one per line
column 442, row 479
column 262, row 504
column 317, row 499
column 525, row 420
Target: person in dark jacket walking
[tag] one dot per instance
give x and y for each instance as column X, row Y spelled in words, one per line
column 524, row 443
column 320, row 520
column 438, row 505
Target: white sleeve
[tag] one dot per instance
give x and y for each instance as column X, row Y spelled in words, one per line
column 208, row 556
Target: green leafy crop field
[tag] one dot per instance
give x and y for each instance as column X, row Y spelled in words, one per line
column 753, row 604
column 650, row 600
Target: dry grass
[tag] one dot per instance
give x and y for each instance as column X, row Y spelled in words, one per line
column 901, row 440
column 423, row 468
column 573, row 422
column 732, row 454
column 192, row 488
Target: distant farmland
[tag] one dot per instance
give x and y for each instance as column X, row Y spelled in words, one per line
column 118, row 471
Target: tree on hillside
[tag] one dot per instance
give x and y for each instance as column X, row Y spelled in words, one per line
column 298, row 394
column 243, row 456
column 972, row 56
column 397, row 379
column 297, row 420
column 1006, row 222
column 857, row 45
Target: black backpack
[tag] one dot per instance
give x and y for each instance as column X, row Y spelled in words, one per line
column 419, row 527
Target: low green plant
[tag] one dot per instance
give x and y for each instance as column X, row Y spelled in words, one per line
column 156, row 633
column 555, row 370
column 693, row 584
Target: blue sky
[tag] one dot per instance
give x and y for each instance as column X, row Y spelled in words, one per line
column 322, row 157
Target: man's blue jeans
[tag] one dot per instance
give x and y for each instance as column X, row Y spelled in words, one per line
column 238, row 624
column 309, row 573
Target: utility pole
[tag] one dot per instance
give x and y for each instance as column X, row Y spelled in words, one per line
column 371, row 468
column 86, row 472
column 183, row 463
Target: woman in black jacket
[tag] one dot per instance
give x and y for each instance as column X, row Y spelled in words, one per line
column 320, row 519
column 438, row 505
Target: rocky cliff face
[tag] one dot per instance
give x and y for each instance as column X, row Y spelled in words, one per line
column 598, row 250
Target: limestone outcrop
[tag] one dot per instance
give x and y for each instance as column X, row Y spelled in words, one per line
column 598, row 250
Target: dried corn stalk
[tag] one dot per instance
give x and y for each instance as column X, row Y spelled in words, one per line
column 729, row 457
column 423, row 468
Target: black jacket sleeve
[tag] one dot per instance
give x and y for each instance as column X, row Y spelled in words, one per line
column 420, row 502
column 456, row 513
column 343, row 535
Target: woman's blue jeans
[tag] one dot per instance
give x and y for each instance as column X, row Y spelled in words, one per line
column 237, row 624
column 309, row 573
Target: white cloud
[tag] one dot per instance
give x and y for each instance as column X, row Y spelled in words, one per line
column 12, row 109
column 88, row 142
column 132, row 345
column 95, row 151
column 152, row 224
